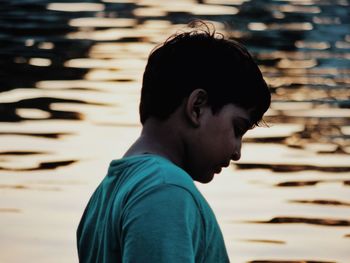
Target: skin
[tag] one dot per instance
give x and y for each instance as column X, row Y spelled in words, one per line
column 194, row 138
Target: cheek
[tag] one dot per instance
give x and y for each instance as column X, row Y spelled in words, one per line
column 229, row 136
column 238, row 146
column 223, row 145
column 232, row 143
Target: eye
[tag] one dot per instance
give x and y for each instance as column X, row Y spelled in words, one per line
column 241, row 126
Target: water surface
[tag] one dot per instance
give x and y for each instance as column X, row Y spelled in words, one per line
column 70, row 80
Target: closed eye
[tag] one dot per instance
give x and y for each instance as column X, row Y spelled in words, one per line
column 239, row 131
column 241, row 128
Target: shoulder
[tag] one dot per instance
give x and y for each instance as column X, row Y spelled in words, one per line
column 151, row 180
column 150, row 171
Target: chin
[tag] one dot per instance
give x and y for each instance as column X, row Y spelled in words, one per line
column 205, row 179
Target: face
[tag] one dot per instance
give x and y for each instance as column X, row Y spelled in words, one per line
column 217, row 141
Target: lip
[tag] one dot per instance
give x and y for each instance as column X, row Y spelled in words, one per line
column 218, row 170
column 226, row 164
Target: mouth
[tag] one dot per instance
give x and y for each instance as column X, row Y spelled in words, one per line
column 218, row 169
column 226, row 164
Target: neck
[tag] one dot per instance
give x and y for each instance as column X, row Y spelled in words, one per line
column 160, row 138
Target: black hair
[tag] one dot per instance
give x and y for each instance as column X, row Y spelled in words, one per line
column 202, row 58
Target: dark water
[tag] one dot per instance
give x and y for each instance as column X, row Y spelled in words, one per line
column 62, row 66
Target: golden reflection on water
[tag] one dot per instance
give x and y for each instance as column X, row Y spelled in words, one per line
column 32, row 113
column 290, row 64
column 312, row 45
column 101, row 22
column 300, row 9
column 289, row 261
column 78, row 111
column 40, row 62
column 162, row 8
column 266, row 241
column 289, row 26
column 75, row 7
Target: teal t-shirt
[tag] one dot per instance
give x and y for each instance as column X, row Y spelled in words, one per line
column 147, row 209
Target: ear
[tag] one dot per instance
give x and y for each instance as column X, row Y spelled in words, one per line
column 195, row 105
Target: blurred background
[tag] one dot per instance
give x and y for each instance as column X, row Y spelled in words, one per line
column 70, row 79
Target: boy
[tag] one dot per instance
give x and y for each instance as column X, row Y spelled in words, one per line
column 200, row 94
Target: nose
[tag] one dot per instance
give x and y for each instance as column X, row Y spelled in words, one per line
column 236, row 155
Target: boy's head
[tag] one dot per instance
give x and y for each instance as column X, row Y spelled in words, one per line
column 211, row 91
column 202, row 59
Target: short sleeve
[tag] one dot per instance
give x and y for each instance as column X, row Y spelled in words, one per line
column 162, row 225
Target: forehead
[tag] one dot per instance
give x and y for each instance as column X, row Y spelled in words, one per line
column 240, row 116
column 232, row 110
